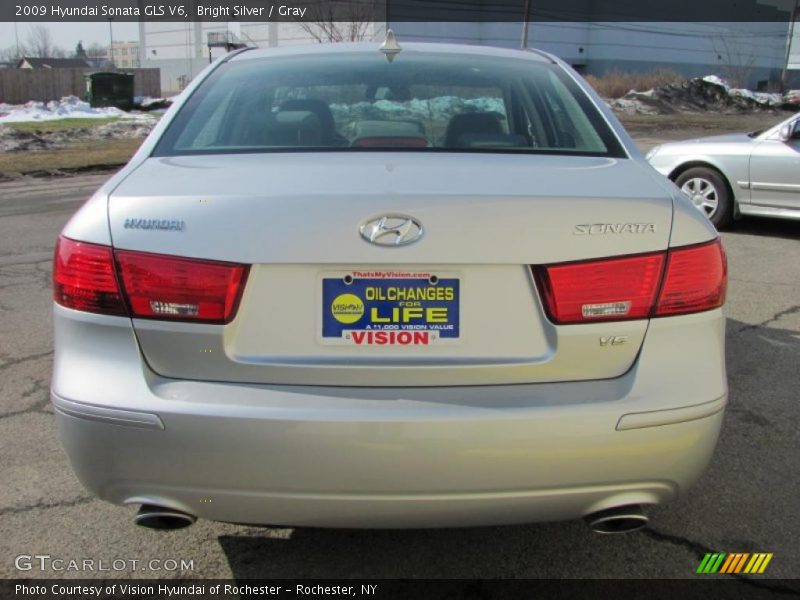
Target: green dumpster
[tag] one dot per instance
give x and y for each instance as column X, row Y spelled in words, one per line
column 110, row 89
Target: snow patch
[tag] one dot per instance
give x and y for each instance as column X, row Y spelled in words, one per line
column 69, row 107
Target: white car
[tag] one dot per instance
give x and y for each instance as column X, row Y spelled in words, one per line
column 729, row 176
column 362, row 286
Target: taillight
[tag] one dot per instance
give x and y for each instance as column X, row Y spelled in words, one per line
column 696, row 280
column 84, row 278
column 96, row 279
column 678, row 281
column 611, row 289
column 184, row 289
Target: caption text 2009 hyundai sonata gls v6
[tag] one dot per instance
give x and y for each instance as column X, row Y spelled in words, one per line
column 360, row 287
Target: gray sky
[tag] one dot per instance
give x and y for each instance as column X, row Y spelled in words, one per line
column 67, row 35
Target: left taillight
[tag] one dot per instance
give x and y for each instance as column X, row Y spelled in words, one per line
column 94, row 278
column 180, row 289
column 84, row 278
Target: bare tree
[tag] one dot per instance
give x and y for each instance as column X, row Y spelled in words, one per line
column 40, row 42
column 328, row 22
column 96, row 54
column 13, row 53
column 738, row 59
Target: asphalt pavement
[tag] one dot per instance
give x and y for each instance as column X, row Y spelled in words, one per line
column 747, row 501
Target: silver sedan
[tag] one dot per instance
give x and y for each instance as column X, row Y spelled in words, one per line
column 351, row 286
column 729, row 176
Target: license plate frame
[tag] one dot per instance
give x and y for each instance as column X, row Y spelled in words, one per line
column 390, row 308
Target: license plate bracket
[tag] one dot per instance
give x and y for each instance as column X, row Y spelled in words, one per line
column 392, row 308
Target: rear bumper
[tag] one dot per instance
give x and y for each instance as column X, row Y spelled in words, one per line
column 446, row 471
column 388, row 457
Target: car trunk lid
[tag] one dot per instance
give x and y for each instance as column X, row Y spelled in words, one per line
column 485, row 218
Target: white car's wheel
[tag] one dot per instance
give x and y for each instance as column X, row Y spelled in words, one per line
column 708, row 191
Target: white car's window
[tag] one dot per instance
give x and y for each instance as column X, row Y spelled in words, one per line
column 361, row 101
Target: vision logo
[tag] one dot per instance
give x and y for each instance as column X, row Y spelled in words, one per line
column 734, row 562
column 347, row 308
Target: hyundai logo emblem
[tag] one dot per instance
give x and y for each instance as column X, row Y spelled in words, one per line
column 392, row 230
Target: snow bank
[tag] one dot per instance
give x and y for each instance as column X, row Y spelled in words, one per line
column 762, row 98
column 69, row 107
column 700, row 94
column 716, row 80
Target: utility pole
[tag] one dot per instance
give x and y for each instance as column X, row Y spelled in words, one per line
column 16, row 34
column 525, row 24
column 111, row 37
column 789, row 39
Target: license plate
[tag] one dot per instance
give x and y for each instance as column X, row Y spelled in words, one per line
column 389, row 309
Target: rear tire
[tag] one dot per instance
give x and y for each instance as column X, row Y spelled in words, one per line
column 708, row 191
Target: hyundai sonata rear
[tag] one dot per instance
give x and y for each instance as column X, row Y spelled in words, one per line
column 333, row 289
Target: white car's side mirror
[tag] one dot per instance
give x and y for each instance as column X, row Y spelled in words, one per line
column 790, row 131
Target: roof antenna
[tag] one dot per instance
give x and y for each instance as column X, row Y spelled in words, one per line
column 390, row 47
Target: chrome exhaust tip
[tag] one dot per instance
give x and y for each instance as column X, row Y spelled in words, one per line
column 620, row 519
column 158, row 517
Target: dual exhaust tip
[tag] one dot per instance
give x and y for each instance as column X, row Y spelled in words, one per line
column 620, row 519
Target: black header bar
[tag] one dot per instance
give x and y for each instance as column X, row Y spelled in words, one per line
column 698, row 588
column 395, row 10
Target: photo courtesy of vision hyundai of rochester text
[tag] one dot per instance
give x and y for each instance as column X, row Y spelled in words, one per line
column 388, row 286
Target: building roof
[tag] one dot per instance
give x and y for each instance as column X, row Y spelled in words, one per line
column 54, row 63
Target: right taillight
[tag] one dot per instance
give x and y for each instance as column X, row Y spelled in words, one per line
column 679, row 281
column 696, row 279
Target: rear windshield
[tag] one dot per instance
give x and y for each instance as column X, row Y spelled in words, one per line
column 362, row 102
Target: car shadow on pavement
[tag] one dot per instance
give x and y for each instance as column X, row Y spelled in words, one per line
column 777, row 228
column 724, row 511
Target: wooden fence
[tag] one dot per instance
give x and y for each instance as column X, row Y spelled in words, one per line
column 18, row 86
